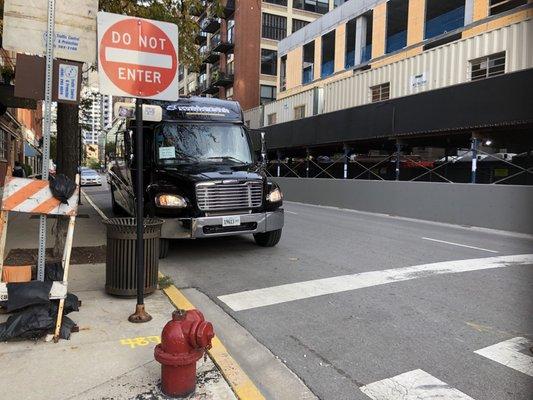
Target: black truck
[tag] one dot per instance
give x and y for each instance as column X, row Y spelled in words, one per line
column 200, row 173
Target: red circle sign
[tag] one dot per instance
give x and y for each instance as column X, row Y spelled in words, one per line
column 138, row 57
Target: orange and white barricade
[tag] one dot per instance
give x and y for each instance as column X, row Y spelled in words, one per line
column 33, row 196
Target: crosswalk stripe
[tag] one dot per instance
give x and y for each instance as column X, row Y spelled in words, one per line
column 413, row 385
column 511, row 353
column 307, row 289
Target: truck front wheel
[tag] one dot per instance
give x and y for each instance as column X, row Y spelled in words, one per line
column 268, row 239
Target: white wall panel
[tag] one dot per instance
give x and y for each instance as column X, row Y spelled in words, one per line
column 443, row 66
column 284, row 108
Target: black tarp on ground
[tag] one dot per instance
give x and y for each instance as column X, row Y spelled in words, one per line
column 505, row 100
column 36, row 314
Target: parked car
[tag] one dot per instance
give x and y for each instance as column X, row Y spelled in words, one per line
column 89, row 177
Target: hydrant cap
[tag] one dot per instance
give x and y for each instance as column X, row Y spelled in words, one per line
column 205, row 334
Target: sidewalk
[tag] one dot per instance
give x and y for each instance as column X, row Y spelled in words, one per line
column 109, row 358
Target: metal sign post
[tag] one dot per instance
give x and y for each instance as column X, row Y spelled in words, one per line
column 50, row 36
column 140, row 314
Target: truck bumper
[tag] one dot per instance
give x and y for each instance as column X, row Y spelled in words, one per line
column 190, row 228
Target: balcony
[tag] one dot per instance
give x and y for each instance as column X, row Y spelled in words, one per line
column 201, row 39
column 222, row 45
column 210, row 24
column 222, row 79
column 209, row 89
column 209, row 56
column 228, row 8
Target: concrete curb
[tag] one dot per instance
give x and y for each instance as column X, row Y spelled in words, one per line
column 240, row 383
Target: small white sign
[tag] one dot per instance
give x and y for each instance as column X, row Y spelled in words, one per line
column 67, row 82
column 418, row 80
column 151, row 112
column 25, row 28
column 167, row 152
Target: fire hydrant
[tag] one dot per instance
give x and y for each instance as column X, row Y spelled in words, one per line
column 184, row 341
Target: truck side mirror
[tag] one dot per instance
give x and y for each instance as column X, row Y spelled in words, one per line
column 263, row 150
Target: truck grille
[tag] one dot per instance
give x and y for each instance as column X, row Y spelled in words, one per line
column 229, row 196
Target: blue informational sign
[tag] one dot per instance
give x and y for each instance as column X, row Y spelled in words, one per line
column 67, row 82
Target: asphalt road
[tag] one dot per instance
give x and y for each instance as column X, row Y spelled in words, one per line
column 344, row 342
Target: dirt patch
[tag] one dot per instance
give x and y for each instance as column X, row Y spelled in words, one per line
column 80, row 255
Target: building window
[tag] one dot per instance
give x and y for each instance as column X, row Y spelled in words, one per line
column 308, row 62
column 283, row 74
column 349, row 55
column 298, row 24
column 268, row 94
column 299, row 112
column 274, row 27
column 3, row 145
column 380, row 92
column 271, row 119
column 443, row 16
column 181, row 72
column 396, row 25
column 499, row 6
column 269, row 62
column 316, row 6
column 486, row 67
column 229, row 93
column 337, row 3
column 328, row 54
column 279, row 2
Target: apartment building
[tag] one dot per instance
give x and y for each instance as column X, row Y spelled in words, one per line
column 239, row 48
column 97, row 117
column 405, row 76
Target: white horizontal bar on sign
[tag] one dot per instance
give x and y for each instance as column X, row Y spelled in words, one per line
column 319, row 287
column 58, row 291
column 413, row 385
column 511, row 353
column 140, row 58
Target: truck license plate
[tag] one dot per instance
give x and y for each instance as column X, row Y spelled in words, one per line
column 231, row 221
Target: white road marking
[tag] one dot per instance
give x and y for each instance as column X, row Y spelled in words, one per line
column 92, row 203
column 291, row 212
column 413, row 385
column 318, row 287
column 510, row 353
column 460, row 245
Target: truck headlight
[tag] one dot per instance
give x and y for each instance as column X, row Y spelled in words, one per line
column 275, row 196
column 170, row 201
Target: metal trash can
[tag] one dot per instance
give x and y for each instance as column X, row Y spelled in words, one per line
column 121, row 271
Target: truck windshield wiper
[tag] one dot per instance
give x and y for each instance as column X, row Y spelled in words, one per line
column 227, row 158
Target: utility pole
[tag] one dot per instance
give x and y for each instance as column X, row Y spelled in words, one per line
column 50, row 39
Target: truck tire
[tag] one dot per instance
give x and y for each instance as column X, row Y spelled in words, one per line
column 268, row 239
column 164, row 244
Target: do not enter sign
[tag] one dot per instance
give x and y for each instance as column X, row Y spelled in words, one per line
column 137, row 57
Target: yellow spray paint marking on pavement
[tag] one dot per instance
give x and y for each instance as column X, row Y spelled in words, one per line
column 140, row 341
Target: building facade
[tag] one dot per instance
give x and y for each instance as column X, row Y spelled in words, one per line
column 239, row 48
column 422, row 79
column 97, row 116
column 20, row 124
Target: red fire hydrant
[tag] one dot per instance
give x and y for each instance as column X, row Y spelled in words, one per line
column 183, row 342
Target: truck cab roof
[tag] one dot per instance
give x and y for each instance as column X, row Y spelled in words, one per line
column 201, row 109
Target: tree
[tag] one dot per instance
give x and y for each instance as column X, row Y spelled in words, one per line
column 180, row 12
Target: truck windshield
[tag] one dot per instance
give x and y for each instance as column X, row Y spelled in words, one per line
column 179, row 143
